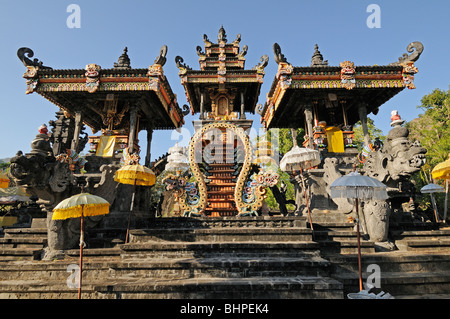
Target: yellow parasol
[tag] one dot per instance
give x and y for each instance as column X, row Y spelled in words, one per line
column 4, row 180
column 442, row 171
column 134, row 174
column 80, row 205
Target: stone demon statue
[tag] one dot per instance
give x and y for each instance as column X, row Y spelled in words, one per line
column 42, row 175
column 396, row 161
column 392, row 164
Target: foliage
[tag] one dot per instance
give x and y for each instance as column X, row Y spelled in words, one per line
column 433, row 126
column 432, row 129
column 157, row 190
column 285, row 143
column 374, row 132
column 4, row 166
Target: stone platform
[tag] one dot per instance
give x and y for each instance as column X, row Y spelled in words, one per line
column 265, row 257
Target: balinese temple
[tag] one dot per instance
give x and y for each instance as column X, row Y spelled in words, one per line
column 221, row 92
column 117, row 102
column 327, row 101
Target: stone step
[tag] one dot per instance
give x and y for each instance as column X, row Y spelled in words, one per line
column 216, row 249
column 332, row 226
column 8, row 254
column 221, row 234
column 99, row 263
column 399, row 283
column 222, row 267
column 227, row 222
column 225, row 288
column 328, row 217
column 25, row 232
column 13, row 242
column 435, row 244
column 422, row 234
column 423, row 240
column 193, row 288
column 97, row 253
column 47, row 289
column 57, row 270
column 334, row 235
column 331, row 247
column 395, row 261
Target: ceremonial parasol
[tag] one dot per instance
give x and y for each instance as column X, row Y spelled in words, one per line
column 4, row 180
column 80, row 205
column 134, row 174
column 298, row 159
column 264, row 153
column 430, row 189
column 177, row 159
column 357, row 186
column 442, row 171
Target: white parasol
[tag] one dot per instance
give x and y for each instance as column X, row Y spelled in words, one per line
column 430, row 189
column 357, row 186
column 298, row 159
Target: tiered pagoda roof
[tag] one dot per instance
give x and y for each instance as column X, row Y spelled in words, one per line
column 222, row 64
column 105, row 96
column 332, row 89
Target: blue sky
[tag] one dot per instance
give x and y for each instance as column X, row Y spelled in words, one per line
column 338, row 27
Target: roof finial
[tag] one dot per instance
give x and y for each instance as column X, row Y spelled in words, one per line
column 317, row 58
column 222, row 35
column 124, row 61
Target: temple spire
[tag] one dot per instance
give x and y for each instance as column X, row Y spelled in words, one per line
column 317, row 58
column 124, row 61
column 222, row 35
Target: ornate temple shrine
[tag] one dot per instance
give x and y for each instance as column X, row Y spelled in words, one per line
column 222, row 91
column 319, row 95
column 118, row 102
column 327, row 101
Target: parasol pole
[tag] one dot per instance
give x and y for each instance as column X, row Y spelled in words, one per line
column 306, row 199
column 434, row 208
column 82, row 244
column 359, row 246
column 358, row 239
column 446, row 200
column 131, row 209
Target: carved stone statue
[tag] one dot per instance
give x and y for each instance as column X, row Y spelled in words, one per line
column 376, row 215
column 397, row 160
column 51, row 181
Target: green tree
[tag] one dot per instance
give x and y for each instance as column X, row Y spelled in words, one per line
column 374, row 132
column 433, row 126
column 285, row 143
column 432, row 129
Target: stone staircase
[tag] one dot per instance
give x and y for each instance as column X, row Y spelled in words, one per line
column 336, row 235
column 418, row 269
column 227, row 257
column 24, row 243
column 264, row 257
